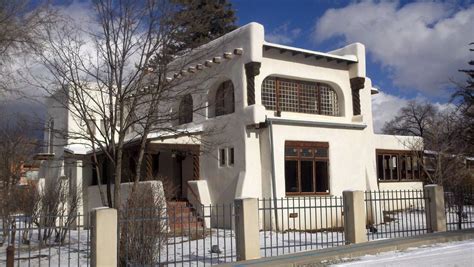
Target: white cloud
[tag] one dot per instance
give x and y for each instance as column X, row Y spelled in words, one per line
column 421, row 44
column 386, row 106
column 283, row 34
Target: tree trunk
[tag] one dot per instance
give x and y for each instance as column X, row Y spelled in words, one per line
column 118, row 176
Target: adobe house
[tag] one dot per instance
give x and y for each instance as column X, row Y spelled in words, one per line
column 292, row 122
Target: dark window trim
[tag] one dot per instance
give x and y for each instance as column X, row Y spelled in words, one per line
column 399, row 153
column 317, row 85
column 185, row 109
column 313, row 158
column 225, row 99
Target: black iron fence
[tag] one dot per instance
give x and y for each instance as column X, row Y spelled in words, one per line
column 295, row 224
column 177, row 235
column 45, row 240
column 396, row 213
column 459, row 207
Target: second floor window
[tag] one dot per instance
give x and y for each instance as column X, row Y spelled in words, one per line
column 225, row 99
column 186, row 109
column 299, row 96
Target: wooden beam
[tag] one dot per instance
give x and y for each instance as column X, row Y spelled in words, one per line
column 238, row 51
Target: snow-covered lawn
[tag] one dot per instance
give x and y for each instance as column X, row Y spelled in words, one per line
column 413, row 222
column 274, row 244
column 74, row 251
column 445, row 254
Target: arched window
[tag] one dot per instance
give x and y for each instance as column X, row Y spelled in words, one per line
column 225, row 99
column 299, row 96
column 185, row 113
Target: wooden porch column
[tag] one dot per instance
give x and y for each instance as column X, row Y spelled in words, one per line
column 196, row 166
column 148, row 167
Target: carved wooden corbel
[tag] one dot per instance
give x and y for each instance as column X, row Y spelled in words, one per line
column 252, row 69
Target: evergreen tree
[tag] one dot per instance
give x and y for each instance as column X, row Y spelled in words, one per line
column 465, row 94
column 200, row 21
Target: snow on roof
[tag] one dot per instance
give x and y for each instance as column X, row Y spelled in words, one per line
column 191, row 130
column 78, row 149
column 346, row 58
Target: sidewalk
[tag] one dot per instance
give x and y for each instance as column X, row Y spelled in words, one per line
column 318, row 257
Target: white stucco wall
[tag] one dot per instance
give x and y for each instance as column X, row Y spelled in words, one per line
column 352, row 142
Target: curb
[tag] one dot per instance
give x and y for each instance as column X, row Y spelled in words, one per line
column 318, row 257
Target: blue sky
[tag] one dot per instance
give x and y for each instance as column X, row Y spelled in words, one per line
column 283, row 17
column 414, row 48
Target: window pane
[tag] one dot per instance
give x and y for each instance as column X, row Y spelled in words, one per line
column 288, row 95
column 307, row 176
column 231, row 156
column 306, row 152
column 321, row 152
column 309, row 98
column 329, row 105
column 291, row 151
column 322, row 177
column 222, row 157
column 403, row 167
column 380, row 167
column 386, row 167
column 394, row 167
column 269, row 93
column 291, row 175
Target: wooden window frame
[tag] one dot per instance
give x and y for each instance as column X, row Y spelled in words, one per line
column 311, row 145
column 399, row 154
column 224, row 91
column 299, row 83
column 222, row 157
column 185, row 109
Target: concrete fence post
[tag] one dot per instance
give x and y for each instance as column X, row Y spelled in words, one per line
column 104, row 237
column 10, row 256
column 435, row 209
column 354, row 217
column 247, row 237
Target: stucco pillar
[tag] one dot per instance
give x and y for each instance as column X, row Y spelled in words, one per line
column 247, row 237
column 104, row 237
column 435, row 209
column 354, row 217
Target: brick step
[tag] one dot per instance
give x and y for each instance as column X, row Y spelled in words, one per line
column 185, row 226
column 173, row 204
column 182, row 217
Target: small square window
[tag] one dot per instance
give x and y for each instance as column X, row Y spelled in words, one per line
column 222, row 158
column 231, row 156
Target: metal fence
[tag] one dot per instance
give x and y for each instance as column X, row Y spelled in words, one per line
column 396, row 213
column 177, row 235
column 295, row 224
column 459, row 207
column 45, row 240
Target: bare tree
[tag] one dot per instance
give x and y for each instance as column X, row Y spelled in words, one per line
column 118, row 81
column 413, row 119
column 16, row 148
column 20, row 32
column 144, row 230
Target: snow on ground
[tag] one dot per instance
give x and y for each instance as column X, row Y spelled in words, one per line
column 199, row 251
column 74, row 252
column 444, row 254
